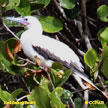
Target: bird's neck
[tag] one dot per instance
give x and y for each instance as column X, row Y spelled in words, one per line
column 34, row 29
column 31, row 33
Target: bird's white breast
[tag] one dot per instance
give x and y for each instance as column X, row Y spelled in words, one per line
column 59, row 49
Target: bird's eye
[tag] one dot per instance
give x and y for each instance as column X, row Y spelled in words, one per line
column 26, row 19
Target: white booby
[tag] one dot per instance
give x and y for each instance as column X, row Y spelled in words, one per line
column 46, row 49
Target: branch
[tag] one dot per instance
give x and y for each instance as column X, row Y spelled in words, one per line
column 72, row 103
column 20, row 99
column 61, row 11
column 7, row 28
column 86, row 92
column 51, row 82
column 72, row 88
column 85, row 24
column 101, row 82
column 27, row 60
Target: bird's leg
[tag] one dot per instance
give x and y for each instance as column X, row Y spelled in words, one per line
column 37, row 61
column 42, row 65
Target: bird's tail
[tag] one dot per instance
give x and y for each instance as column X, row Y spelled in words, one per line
column 80, row 73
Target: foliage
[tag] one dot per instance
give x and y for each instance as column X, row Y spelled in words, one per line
column 78, row 102
column 91, row 58
column 68, row 4
column 51, row 24
column 102, row 12
column 39, row 83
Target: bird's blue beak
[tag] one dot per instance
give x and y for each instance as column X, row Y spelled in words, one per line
column 19, row 20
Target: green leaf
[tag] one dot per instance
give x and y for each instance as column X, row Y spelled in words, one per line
column 18, row 106
column 55, row 98
column 45, row 2
column 44, row 83
column 105, row 53
column 66, row 94
column 103, row 36
column 105, row 67
column 103, row 43
column 41, row 3
column 102, row 13
column 59, row 81
column 78, row 102
column 30, row 106
column 4, row 95
column 2, row 2
column 30, row 99
column 24, row 8
column 16, row 93
column 41, row 97
column 19, row 33
column 65, row 77
column 68, row 4
column 106, row 104
column 11, row 42
column 57, row 65
column 5, row 63
column 51, row 24
column 12, row 4
column 36, row 6
column 54, row 75
column 90, row 57
column 73, row 13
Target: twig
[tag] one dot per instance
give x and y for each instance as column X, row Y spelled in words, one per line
column 32, row 70
column 27, row 60
column 92, row 24
column 102, row 84
column 72, row 103
column 85, row 25
column 67, row 104
column 23, row 97
column 61, row 11
column 64, row 18
column 22, row 65
column 7, row 28
column 89, row 18
column 86, row 94
column 6, row 87
column 72, row 88
column 86, row 98
column 53, row 87
column 77, row 91
column 98, row 3
column 25, row 84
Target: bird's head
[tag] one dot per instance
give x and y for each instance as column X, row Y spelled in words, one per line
column 29, row 21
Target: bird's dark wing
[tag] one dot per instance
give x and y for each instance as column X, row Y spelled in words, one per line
column 50, row 56
column 46, row 53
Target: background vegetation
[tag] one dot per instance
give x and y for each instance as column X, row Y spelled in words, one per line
column 82, row 25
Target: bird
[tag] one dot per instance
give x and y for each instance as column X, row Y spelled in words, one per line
column 45, row 50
